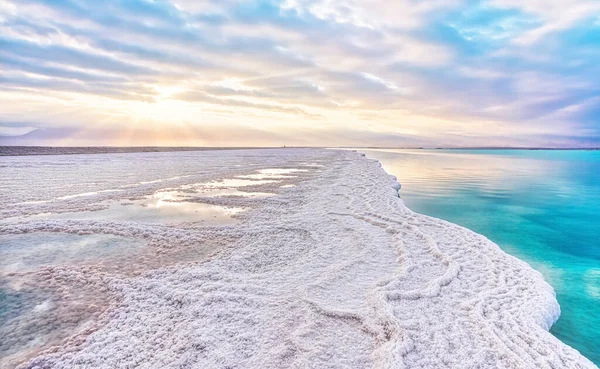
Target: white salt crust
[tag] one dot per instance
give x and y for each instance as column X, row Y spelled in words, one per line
column 334, row 272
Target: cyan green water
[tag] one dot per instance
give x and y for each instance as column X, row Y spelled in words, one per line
column 542, row 206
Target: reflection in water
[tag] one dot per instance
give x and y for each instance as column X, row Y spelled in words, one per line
column 67, row 197
column 160, row 207
column 21, row 253
column 218, row 192
column 541, row 206
column 172, row 209
column 276, row 173
column 261, row 176
column 190, row 191
column 279, row 171
column 237, row 182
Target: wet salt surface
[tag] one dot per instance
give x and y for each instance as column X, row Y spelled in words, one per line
column 334, row 273
column 38, row 314
column 38, row 309
column 53, row 285
column 56, row 269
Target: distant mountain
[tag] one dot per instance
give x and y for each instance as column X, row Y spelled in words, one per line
column 40, row 136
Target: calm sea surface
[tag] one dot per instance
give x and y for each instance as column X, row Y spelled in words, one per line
column 541, row 206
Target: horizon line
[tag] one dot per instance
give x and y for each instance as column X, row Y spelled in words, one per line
column 310, row 147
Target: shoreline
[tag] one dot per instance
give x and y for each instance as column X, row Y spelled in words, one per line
column 338, row 258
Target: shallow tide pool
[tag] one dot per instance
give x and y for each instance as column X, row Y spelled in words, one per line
column 540, row 206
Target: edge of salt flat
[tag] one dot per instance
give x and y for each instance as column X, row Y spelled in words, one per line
column 337, row 272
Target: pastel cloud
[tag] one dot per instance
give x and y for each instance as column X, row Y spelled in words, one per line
column 370, row 72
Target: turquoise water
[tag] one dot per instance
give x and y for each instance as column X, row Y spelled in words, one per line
column 541, row 206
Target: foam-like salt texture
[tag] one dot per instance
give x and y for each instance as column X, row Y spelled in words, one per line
column 335, row 272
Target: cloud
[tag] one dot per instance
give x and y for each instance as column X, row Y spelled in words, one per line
column 70, row 56
column 555, row 15
column 406, row 70
column 29, row 66
column 201, row 96
column 60, row 85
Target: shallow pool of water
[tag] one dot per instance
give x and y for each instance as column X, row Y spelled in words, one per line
column 21, row 253
column 160, row 208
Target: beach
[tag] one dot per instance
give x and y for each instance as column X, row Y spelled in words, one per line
column 283, row 258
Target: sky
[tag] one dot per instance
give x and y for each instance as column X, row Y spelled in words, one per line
column 402, row 73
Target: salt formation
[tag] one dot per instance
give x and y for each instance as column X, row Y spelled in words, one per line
column 334, row 272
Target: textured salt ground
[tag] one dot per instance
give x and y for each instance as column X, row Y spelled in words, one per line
column 333, row 272
column 56, row 266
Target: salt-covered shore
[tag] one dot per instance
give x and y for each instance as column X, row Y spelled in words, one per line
column 335, row 272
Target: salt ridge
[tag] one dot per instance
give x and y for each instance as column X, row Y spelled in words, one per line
column 335, row 272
